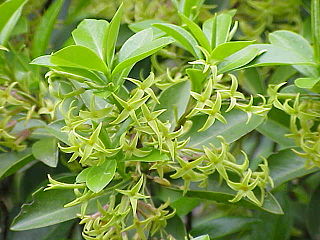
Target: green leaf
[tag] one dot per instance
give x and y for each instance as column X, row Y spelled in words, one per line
column 282, row 74
column 54, row 232
column 184, row 205
column 176, row 227
column 54, row 129
column 43, row 32
column 297, row 45
column 44, row 61
column 275, row 227
column 10, row 13
column 220, row 193
column 47, row 208
column 197, row 32
column 139, row 26
column 46, row 150
column 189, row 7
column 138, row 40
column 224, row 226
column 313, row 215
column 239, row 59
column 175, row 100
column 78, row 57
column 274, row 55
column 154, row 156
column 99, row 176
column 112, row 35
column 286, row 165
column 92, row 33
column 13, row 161
column 235, row 128
column 307, row 83
column 197, row 78
column 252, row 81
column 217, row 29
column 276, row 131
column 182, row 36
column 141, row 53
column 226, row 49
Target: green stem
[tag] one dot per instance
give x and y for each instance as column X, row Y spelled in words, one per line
column 315, row 26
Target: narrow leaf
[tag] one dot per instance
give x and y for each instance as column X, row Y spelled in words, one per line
column 239, row 59
column 197, row 32
column 43, row 32
column 112, row 35
column 10, row 13
column 182, row 36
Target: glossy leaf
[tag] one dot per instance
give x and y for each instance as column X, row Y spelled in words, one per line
column 239, row 59
column 252, row 81
column 235, row 128
column 47, row 208
column 224, row 226
column 276, row 131
column 282, row 74
column 136, row 41
column 286, row 165
column 78, row 57
column 54, row 129
column 43, row 32
column 10, row 14
column 46, row 150
column 217, row 29
column 196, row 32
column 273, row 55
column 307, row 83
column 174, row 100
column 44, row 61
column 197, row 78
column 297, row 45
column 13, row 161
column 181, row 36
column 54, row 232
column 226, row 49
column 275, row 127
column 92, row 33
column 154, row 156
column 112, row 35
column 99, row 176
column 142, row 52
column 220, row 193
column 139, row 26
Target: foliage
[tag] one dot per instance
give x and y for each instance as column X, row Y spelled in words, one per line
column 142, row 121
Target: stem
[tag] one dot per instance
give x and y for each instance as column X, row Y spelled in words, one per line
column 315, row 26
